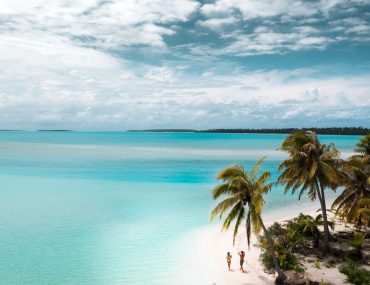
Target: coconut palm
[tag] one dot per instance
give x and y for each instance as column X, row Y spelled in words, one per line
column 310, row 225
column 244, row 202
column 311, row 167
column 363, row 146
column 353, row 202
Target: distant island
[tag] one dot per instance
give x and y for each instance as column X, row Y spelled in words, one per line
column 320, row 131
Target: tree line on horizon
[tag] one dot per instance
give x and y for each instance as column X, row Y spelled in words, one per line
column 317, row 130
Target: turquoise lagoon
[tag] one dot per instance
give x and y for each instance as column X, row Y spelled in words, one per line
column 108, row 207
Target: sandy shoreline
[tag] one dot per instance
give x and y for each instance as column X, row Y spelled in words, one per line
column 203, row 261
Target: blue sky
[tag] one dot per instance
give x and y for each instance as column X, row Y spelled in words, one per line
column 124, row 64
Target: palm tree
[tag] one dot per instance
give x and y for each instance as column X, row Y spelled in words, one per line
column 244, row 201
column 310, row 225
column 363, row 146
column 353, row 202
column 311, row 167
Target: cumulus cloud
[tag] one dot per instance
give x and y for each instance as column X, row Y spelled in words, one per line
column 97, row 23
column 287, row 25
column 144, row 64
column 165, row 97
column 254, row 8
column 250, row 9
column 217, row 23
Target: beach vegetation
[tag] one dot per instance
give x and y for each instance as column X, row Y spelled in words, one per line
column 286, row 258
column 363, row 146
column 285, row 246
column 309, row 226
column 310, row 168
column 243, row 193
column 354, row 202
column 320, row 131
column 357, row 243
column 355, row 274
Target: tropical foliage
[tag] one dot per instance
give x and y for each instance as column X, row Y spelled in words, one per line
column 363, row 146
column 358, row 243
column 354, row 202
column 244, row 191
column 355, row 274
column 309, row 226
column 285, row 245
column 311, row 167
column 287, row 260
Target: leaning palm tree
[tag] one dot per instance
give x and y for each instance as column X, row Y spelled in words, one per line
column 311, row 167
column 353, row 203
column 244, row 202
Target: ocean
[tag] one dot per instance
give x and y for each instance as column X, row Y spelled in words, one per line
column 110, row 207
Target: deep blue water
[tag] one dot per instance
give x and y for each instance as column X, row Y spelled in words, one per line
column 99, row 208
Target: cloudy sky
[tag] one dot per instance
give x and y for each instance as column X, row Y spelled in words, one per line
column 129, row 64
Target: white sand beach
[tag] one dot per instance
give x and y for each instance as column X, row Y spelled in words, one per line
column 203, row 260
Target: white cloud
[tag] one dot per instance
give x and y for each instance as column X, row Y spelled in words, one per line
column 307, row 30
column 160, row 74
column 269, row 8
column 58, row 72
column 312, row 41
column 264, row 40
column 164, row 96
column 217, row 23
column 286, row 25
column 96, row 23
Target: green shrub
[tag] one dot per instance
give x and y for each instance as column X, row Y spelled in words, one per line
column 289, row 236
column 276, row 231
column 355, row 274
column 358, row 240
column 284, row 243
column 287, row 260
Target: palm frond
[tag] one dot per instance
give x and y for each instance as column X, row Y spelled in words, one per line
column 223, row 206
column 239, row 220
column 256, row 168
column 233, row 214
column 223, row 189
column 230, row 172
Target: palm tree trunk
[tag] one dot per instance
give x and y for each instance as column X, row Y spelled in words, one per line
column 316, row 240
column 321, row 195
column 272, row 251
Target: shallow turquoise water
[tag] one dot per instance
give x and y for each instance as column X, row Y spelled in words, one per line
column 104, row 208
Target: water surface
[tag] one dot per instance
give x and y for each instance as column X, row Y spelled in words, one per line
column 107, row 208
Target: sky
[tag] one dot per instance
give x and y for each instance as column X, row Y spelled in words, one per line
column 141, row 64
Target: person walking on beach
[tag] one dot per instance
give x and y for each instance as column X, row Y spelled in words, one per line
column 242, row 255
column 228, row 259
